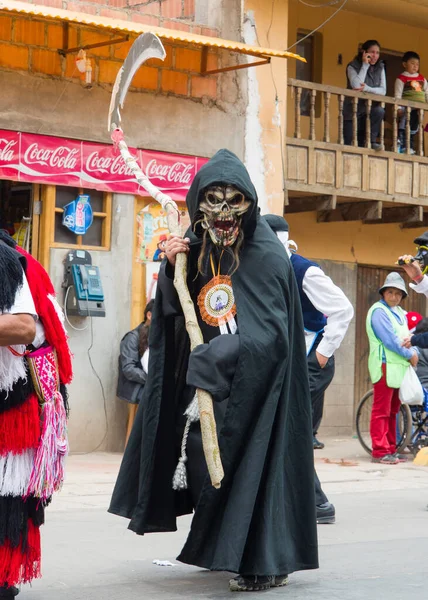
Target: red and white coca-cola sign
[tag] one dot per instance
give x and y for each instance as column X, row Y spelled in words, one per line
column 9, row 154
column 59, row 161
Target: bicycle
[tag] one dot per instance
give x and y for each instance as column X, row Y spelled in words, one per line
column 363, row 417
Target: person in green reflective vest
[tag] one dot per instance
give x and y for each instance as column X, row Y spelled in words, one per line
column 386, row 327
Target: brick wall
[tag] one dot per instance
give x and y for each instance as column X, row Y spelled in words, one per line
column 173, row 14
column 30, row 44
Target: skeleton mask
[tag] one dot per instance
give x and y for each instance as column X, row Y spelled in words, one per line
column 222, row 209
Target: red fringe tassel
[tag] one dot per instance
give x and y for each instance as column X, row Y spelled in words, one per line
column 21, row 565
column 20, row 427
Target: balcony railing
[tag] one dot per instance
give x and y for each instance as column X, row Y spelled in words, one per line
column 351, row 181
column 325, row 93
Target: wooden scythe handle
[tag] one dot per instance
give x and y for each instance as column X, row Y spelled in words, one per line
column 206, row 411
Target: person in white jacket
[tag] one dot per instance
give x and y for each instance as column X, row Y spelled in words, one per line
column 327, row 313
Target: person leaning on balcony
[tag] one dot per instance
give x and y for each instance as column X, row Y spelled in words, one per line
column 386, row 327
column 410, row 85
column 366, row 73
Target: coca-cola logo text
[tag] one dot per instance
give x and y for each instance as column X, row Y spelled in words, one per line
column 107, row 164
column 7, row 151
column 60, row 157
column 177, row 172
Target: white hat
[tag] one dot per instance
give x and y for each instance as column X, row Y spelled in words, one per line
column 394, row 280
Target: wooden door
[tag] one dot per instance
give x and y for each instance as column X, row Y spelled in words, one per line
column 369, row 280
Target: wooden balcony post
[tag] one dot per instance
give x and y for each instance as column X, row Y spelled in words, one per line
column 355, row 122
column 327, row 97
column 382, row 128
column 297, row 116
column 395, row 128
column 369, row 104
column 312, row 115
column 340, row 139
column 421, row 131
column 409, row 112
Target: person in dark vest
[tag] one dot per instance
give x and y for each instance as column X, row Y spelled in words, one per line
column 327, row 313
column 366, row 73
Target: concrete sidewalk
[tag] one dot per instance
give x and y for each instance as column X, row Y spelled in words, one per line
column 375, row 550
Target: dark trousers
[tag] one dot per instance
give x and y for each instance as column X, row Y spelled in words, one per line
column 320, row 497
column 376, row 117
column 319, row 380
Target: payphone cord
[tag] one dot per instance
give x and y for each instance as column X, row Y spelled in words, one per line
column 66, row 315
column 91, row 363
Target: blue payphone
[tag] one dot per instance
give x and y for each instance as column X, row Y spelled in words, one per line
column 84, row 296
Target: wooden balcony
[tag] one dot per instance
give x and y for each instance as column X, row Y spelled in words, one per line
column 347, row 182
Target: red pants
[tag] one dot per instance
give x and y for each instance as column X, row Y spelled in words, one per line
column 383, row 424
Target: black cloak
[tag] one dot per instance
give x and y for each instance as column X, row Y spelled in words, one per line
column 262, row 521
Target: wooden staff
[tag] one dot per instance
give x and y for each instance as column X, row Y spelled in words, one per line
column 206, row 411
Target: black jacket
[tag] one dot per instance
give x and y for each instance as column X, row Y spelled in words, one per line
column 262, row 519
column 131, row 380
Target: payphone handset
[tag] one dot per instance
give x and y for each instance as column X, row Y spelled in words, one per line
column 87, row 283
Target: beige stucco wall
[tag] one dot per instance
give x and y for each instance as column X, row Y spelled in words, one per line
column 265, row 24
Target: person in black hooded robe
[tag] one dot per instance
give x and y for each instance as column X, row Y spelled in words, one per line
column 261, row 523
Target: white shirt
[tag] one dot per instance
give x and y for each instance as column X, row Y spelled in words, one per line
column 24, row 304
column 331, row 302
column 422, row 287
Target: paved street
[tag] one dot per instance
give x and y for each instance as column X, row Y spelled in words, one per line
column 377, row 549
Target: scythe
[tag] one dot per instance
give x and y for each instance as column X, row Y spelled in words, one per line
column 148, row 46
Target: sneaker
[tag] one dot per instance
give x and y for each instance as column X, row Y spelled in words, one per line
column 388, row 459
column 251, row 583
column 317, row 444
column 326, row 514
column 279, row 581
column 377, row 147
column 402, row 458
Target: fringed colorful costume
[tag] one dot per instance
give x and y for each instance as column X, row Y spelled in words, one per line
column 33, row 440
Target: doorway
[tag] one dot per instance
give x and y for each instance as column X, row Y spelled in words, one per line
column 17, row 203
column 369, row 280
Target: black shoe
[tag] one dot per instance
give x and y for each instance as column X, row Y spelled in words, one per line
column 317, row 444
column 279, row 581
column 326, row 514
column 9, row 592
column 252, row 583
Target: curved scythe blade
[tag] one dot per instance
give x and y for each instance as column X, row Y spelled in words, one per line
column 146, row 46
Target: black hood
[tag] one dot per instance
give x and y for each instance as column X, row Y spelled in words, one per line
column 224, row 168
column 422, row 240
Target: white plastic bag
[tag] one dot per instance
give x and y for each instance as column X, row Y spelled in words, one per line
column 411, row 391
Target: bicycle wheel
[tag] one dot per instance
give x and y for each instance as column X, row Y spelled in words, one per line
column 364, row 413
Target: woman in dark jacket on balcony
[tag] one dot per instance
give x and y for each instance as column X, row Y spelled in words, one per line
column 133, row 365
column 366, row 73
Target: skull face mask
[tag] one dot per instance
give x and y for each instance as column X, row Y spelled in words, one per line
column 222, row 209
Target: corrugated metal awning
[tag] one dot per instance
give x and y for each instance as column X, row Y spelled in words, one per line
column 130, row 27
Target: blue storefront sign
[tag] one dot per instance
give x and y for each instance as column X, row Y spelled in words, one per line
column 78, row 215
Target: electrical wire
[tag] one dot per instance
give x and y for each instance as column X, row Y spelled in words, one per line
column 99, row 381
column 336, row 12
column 91, row 345
column 328, row 3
